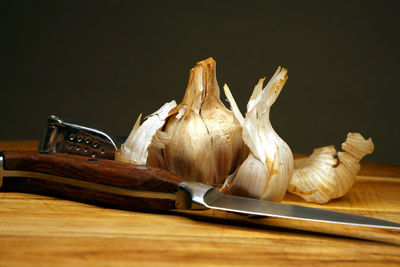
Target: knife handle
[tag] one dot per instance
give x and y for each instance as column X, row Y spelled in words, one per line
column 101, row 182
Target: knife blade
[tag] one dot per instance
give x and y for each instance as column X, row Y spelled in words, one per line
column 214, row 199
column 126, row 186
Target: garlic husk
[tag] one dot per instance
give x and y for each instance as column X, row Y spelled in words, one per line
column 266, row 172
column 322, row 177
column 205, row 139
column 145, row 142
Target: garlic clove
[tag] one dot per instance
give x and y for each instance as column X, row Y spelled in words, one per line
column 227, row 144
column 266, row 172
column 188, row 151
column 321, row 177
column 258, row 133
column 224, row 130
column 155, row 157
column 135, row 149
column 249, row 180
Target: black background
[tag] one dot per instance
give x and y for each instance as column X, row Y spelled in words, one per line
column 104, row 62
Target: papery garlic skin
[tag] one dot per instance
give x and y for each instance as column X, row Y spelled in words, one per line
column 145, row 141
column 205, row 139
column 266, row 173
column 319, row 178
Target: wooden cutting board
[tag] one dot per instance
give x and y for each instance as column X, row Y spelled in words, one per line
column 45, row 231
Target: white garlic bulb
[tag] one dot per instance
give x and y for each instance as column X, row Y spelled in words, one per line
column 322, row 177
column 199, row 139
column 205, row 139
column 266, row 172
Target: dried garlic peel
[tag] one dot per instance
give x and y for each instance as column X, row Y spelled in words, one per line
column 136, row 147
column 266, row 172
column 318, row 179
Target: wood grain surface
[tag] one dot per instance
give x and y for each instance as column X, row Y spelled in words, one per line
column 37, row 230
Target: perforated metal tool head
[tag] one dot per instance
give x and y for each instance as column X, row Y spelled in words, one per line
column 67, row 137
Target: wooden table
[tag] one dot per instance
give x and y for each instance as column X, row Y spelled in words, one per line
column 46, row 231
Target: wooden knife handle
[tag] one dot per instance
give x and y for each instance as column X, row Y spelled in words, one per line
column 96, row 181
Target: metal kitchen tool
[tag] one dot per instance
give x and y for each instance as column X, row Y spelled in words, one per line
column 72, row 138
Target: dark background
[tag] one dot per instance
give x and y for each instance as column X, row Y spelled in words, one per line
column 104, row 62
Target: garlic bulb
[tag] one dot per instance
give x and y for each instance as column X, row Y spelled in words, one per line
column 266, row 172
column 205, row 139
column 321, row 177
column 199, row 139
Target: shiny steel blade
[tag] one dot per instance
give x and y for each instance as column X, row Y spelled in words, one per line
column 210, row 197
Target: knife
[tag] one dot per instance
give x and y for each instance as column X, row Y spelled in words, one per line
column 126, row 186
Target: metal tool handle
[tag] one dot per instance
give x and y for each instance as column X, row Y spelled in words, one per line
column 96, row 181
